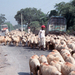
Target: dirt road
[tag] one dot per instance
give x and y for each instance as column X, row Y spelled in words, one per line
column 16, row 59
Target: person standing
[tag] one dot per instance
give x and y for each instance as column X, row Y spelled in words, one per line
column 28, row 29
column 42, row 37
column 7, row 30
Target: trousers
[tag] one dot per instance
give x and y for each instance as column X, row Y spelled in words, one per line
column 42, row 42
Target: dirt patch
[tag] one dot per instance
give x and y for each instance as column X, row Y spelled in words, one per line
column 3, row 61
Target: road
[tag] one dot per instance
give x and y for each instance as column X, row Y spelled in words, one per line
column 17, row 59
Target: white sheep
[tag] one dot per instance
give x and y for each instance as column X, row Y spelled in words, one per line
column 46, row 69
column 66, row 68
column 52, row 58
column 72, row 73
column 34, row 64
column 43, row 59
column 56, row 64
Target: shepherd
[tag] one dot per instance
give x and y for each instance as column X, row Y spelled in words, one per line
column 42, row 37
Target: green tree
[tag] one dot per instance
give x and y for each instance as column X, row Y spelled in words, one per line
column 29, row 15
column 34, row 26
column 2, row 19
column 68, row 11
column 53, row 13
column 10, row 26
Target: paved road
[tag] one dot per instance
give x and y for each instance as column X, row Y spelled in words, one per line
column 18, row 58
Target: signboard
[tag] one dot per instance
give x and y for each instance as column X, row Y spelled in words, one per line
column 57, row 28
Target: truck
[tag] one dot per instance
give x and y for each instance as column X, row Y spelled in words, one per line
column 56, row 24
column 4, row 27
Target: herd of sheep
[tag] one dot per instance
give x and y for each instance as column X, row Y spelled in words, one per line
column 56, row 63
column 61, row 61
column 55, row 41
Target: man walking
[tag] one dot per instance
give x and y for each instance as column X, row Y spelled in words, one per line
column 42, row 37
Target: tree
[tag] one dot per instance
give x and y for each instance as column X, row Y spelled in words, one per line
column 53, row 13
column 59, row 7
column 34, row 26
column 29, row 15
column 73, row 2
column 68, row 11
column 10, row 26
column 2, row 19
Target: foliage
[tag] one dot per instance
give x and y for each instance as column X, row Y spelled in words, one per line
column 29, row 15
column 34, row 24
column 53, row 13
column 2, row 19
column 35, row 18
column 10, row 26
column 68, row 11
column 17, row 27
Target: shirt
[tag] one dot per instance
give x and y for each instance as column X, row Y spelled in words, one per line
column 41, row 33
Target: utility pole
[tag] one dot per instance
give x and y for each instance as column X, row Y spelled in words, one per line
column 21, row 22
column 10, row 27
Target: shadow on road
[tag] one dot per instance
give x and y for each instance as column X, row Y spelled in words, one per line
column 22, row 73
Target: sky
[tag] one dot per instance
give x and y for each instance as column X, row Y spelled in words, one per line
column 10, row 7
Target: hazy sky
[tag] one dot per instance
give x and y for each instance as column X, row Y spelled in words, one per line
column 10, row 7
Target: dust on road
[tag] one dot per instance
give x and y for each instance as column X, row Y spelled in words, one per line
column 16, row 59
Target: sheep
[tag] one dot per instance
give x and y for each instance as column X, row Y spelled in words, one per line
column 56, row 53
column 57, row 41
column 8, row 39
column 51, row 58
column 16, row 40
column 36, row 41
column 71, row 45
column 43, row 59
column 56, row 64
column 66, row 68
column 72, row 73
column 24, row 40
column 63, row 52
column 73, row 55
column 46, row 69
column 62, row 42
column 69, row 58
column 60, row 46
column 34, row 64
column 2, row 39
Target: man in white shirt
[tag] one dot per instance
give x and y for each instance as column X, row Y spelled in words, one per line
column 42, row 37
column 7, row 31
column 28, row 29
